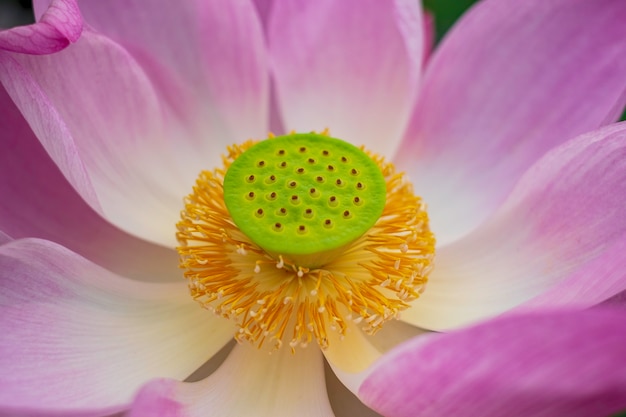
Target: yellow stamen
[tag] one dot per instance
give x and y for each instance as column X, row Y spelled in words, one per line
column 275, row 301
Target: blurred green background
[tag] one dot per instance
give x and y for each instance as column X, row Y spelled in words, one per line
column 446, row 12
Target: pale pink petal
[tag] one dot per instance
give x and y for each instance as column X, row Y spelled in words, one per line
column 99, row 118
column 213, row 53
column 60, row 25
column 41, row 203
column 343, row 401
column 512, row 80
column 351, row 66
column 76, row 337
column 601, row 280
column 250, row 383
column 540, row 365
column 565, row 220
column 430, row 35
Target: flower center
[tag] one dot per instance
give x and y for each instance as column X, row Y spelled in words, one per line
column 304, row 196
column 304, row 234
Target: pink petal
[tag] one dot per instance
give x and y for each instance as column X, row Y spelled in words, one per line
column 214, row 52
column 352, row 66
column 251, row 382
column 60, row 25
column 4, row 238
column 564, row 222
column 99, row 118
column 511, row 81
column 542, row 365
column 77, row 338
column 43, row 204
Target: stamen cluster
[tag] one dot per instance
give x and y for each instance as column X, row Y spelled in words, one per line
column 275, row 301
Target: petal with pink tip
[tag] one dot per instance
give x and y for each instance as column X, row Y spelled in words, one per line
column 60, row 25
column 250, row 383
column 550, row 365
column 43, row 204
column 77, row 338
column 214, row 53
column 351, row 66
column 511, row 81
column 565, row 222
column 99, row 118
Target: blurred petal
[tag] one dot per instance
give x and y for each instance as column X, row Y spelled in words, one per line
column 4, row 238
column 104, row 128
column 351, row 66
column 511, row 81
column 250, row 383
column 264, row 10
column 563, row 219
column 213, row 51
column 79, row 338
column 60, row 25
column 39, row 202
column 549, row 365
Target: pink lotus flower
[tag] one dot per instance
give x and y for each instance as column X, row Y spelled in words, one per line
column 103, row 138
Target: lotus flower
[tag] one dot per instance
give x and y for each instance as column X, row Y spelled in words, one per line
column 109, row 114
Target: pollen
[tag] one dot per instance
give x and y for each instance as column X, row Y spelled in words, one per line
column 297, row 236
